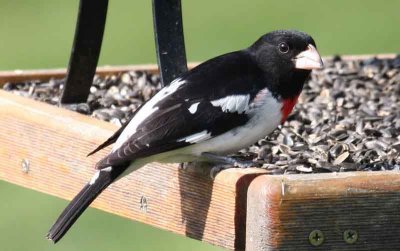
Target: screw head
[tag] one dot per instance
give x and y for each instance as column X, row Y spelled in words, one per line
column 316, row 237
column 350, row 236
column 25, row 165
column 143, row 203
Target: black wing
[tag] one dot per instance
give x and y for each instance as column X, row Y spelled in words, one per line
column 231, row 74
column 109, row 141
column 114, row 137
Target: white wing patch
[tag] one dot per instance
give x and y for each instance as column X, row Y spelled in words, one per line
column 107, row 169
column 194, row 138
column 97, row 174
column 233, row 103
column 146, row 111
column 94, row 178
column 193, row 108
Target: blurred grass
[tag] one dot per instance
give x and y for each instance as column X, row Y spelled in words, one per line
column 38, row 34
column 26, row 215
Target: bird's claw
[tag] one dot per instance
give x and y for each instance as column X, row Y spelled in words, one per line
column 243, row 164
column 237, row 164
column 183, row 165
column 216, row 169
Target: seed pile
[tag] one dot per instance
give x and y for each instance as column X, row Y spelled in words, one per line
column 347, row 118
column 113, row 98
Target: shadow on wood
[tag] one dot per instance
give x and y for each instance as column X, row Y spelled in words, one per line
column 194, row 212
column 198, row 205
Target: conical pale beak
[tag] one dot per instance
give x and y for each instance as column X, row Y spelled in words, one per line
column 308, row 59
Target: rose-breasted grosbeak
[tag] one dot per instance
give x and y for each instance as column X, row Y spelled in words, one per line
column 223, row 105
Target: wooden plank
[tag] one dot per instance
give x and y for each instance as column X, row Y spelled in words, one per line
column 55, row 142
column 44, row 75
column 284, row 210
column 17, row 76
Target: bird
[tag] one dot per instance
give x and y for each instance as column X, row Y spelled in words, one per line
column 220, row 106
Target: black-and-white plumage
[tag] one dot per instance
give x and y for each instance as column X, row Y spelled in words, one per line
column 219, row 107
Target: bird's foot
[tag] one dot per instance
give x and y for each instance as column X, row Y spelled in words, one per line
column 189, row 166
column 218, row 168
column 237, row 164
column 220, row 163
column 244, row 163
column 198, row 167
column 184, row 165
column 225, row 160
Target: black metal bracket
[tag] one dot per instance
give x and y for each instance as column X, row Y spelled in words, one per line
column 170, row 43
column 168, row 32
column 85, row 50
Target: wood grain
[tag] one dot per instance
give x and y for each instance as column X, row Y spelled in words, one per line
column 44, row 75
column 18, row 76
column 55, row 142
column 283, row 210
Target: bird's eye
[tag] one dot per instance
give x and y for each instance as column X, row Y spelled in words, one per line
column 283, row 47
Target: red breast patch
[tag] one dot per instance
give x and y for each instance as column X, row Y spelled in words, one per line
column 287, row 107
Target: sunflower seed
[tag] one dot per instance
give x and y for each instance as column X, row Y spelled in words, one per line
column 342, row 157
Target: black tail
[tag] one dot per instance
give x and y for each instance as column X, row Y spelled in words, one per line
column 76, row 207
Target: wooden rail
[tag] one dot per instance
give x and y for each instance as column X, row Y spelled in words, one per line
column 44, row 75
column 44, row 148
column 17, row 76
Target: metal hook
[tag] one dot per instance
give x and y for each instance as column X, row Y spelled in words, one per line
column 170, row 43
column 85, row 51
column 168, row 32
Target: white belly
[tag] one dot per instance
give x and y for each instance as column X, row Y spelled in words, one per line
column 258, row 127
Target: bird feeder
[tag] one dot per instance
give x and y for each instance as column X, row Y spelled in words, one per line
column 241, row 209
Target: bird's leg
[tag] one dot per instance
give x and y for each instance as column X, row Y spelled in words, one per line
column 192, row 165
column 220, row 163
column 204, row 167
column 227, row 160
column 200, row 167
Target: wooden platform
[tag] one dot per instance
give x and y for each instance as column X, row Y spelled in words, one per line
column 44, row 148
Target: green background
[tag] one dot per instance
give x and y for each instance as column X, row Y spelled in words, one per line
column 38, row 34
